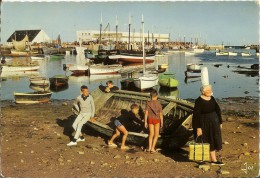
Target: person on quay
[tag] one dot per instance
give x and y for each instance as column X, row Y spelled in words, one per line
column 86, row 108
column 207, row 122
column 153, row 120
column 131, row 118
column 110, row 87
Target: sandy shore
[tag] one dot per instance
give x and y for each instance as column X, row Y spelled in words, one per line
column 34, row 138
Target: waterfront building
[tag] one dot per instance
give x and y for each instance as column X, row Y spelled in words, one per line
column 34, row 36
column 135, row 37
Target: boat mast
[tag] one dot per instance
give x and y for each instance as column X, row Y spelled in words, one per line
column 143, row 44
column 116, row 33
column 129, row 28
column 100, row 29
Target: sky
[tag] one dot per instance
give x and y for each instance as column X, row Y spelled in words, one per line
column 213, row 22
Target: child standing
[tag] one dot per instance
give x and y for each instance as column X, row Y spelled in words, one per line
column 153, row 119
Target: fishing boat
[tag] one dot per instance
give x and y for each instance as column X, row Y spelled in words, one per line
column 77, row 69
column 168, row 80
column 59, row 80
column 177, row 114
column 32, row 97
column 133, row 57
column 104, row 69
column 41, row 81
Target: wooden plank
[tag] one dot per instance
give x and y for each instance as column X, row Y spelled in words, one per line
column 168, row 108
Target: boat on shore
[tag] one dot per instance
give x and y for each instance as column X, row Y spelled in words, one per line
column 177, row 113
column 32, row 97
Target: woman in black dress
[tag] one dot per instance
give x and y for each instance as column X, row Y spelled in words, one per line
column 207, row 122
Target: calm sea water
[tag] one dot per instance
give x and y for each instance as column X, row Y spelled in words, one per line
column 226, row 83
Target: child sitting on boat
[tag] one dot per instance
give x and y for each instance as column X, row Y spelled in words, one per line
column 110, row 87
column 129, row 120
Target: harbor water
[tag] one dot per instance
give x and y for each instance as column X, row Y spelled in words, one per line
column 226, row 83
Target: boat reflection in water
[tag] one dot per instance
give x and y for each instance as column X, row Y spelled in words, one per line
column 40, row 88
column 191, row 80
column 54, row 88
column 172, row 93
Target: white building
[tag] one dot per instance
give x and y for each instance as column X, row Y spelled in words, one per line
column 94, row 35
column 35, row 36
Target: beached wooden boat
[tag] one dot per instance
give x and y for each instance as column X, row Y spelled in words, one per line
column 32, row 97
column 177, row 117
column 59, row 80
column 168, row 80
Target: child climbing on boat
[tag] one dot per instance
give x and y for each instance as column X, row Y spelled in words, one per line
column 123, row 121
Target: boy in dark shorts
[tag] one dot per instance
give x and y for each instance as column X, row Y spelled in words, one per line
column 120, row 124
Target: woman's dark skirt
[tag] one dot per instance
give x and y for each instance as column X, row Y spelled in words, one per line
column 211, row 132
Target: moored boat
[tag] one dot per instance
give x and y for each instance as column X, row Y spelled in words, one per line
column 177, row 117
column 168, row 80
column 221, row 53
column 5, row 68
column 104, row 69
column 59, row 80
column 232, row 53
column 193, row 67
column 245, row 54
column 32, row 97
column 146, row 81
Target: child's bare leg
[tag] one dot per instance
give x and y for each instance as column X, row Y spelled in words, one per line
column 114, row 136
column 151, row 135
column 156, row 135
column 125, row 132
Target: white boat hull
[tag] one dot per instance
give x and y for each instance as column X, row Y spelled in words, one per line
column 245, row 54
column 104, row 69
column 21, row 68
column 131, row 59
column 232, row 54
column 146, row 81
column 193, row 67
column 221, row 53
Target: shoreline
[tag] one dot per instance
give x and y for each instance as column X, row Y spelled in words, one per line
column 34, row 138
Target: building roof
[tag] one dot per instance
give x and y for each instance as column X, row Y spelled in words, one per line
column 19, row 35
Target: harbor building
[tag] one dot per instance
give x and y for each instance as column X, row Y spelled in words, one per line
column 34, row 36
column 94, row 35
